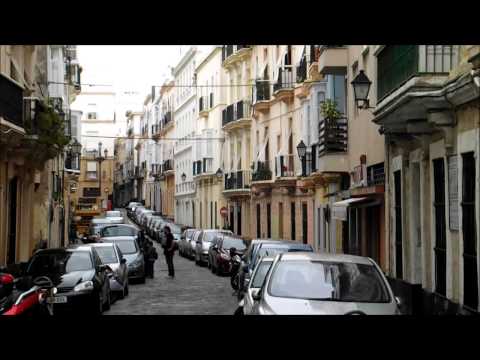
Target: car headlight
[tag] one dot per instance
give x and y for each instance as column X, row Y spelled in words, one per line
column 84, row 286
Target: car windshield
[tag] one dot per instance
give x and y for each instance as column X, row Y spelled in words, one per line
column 328, row 281
column 209, row 236
column 127, row 246
column 114, row 214
column 229, row 243
column 96, row 230
column 60, row 263
column 110, row 231
column 259, row 277
column 107, row 254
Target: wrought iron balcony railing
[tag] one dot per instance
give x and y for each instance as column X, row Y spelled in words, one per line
column 236, row 111
column 262, row 90
column 238, row 180
column 333, row 136
column 399, row 63
column 376, row 174
column 284, row 166
column 285, row 79
column 262, row 171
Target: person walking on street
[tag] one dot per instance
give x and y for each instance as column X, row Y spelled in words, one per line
column 169, row 250
column 150, row 257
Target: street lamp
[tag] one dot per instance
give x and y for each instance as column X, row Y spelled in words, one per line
column 361, row 86
column 302, row 150
column 219, row 173
column 184, row 177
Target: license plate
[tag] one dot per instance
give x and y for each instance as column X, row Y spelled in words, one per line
column 57, row 300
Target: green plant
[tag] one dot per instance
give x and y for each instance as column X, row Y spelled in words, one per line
column 329, row 110
column 50, row 141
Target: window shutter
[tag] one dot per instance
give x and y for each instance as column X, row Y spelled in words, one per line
column 453, row 192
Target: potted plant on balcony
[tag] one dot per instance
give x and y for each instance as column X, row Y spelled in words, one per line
column 49, row 129
column 329, row 110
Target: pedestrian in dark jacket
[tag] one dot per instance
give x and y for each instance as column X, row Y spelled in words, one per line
column 169, row 250
column 150, row 255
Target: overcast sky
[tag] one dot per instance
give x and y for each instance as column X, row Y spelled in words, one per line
column 128, row 67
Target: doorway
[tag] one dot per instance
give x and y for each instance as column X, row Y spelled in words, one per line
column 12, row 221
column 239, row 219
column 280, row 220
column 232, row 218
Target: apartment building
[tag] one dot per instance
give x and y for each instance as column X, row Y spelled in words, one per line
column 428, row 110
column 208, row 146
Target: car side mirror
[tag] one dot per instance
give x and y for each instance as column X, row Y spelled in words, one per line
column 123, row 261
column 398, row 301
column 256, row 296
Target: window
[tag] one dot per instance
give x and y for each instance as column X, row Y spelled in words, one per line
column 336, row 84
column 470, row 277
column 398, row 224
column 91, row 170
column 92, row 116
column 440, row 248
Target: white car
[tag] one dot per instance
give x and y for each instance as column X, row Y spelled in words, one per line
column 245, row 306
column 114, row 216
column 324, row 284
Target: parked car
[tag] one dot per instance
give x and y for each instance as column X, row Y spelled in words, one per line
column 96, row 225
column 122, row 230
column 115, row 217
column 219, row 255
column 131, row 207
column 132, row 253
column 78, row 274
column 150, row 225
column 137, row 212
column 246, row 304
column 250, row 257
column 111, row 255
column 324, row 284
column 184, row 244
column 193, row 244
column 142, row 215
column 203, row 242
column 146, row 218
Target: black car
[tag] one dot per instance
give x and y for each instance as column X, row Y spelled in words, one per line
column 78, row 274
column 219, row 256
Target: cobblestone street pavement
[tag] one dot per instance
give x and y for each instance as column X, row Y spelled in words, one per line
column 194, row 291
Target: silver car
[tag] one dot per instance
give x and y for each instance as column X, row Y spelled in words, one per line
column 185, row 243
column 245, row 306
column 111, row 255
column 324, row 284
column 131, row 252
column 115, row 217
column 203, row 243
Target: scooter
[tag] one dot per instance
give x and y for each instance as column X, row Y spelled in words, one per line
column 14, row 300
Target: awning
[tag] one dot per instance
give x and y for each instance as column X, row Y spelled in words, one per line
column 339, row 208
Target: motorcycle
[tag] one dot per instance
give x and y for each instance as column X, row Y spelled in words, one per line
column 235, row 262
column 16, row 300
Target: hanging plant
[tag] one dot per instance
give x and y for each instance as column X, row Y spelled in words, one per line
column 329, row 110
column 49, row 128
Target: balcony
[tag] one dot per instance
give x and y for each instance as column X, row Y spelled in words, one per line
column 376, row 175
column 203, row 106
column 262, row 172
column 156, row 131
column 167, row 167
column 262, row 95
column 413, row 83
column 203, row 167
column 333, row 136
column 237, row 182
column 11, row 101
column 234, row 53
column 398, row 64
column 333, row 59
column 91, row 192
column 283, row 88
column 284, row 166
column 236, row 115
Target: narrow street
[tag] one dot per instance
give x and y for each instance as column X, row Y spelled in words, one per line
column 194, row 291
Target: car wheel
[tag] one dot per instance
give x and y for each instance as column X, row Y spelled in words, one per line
column 97, row 306
column 126, row 290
